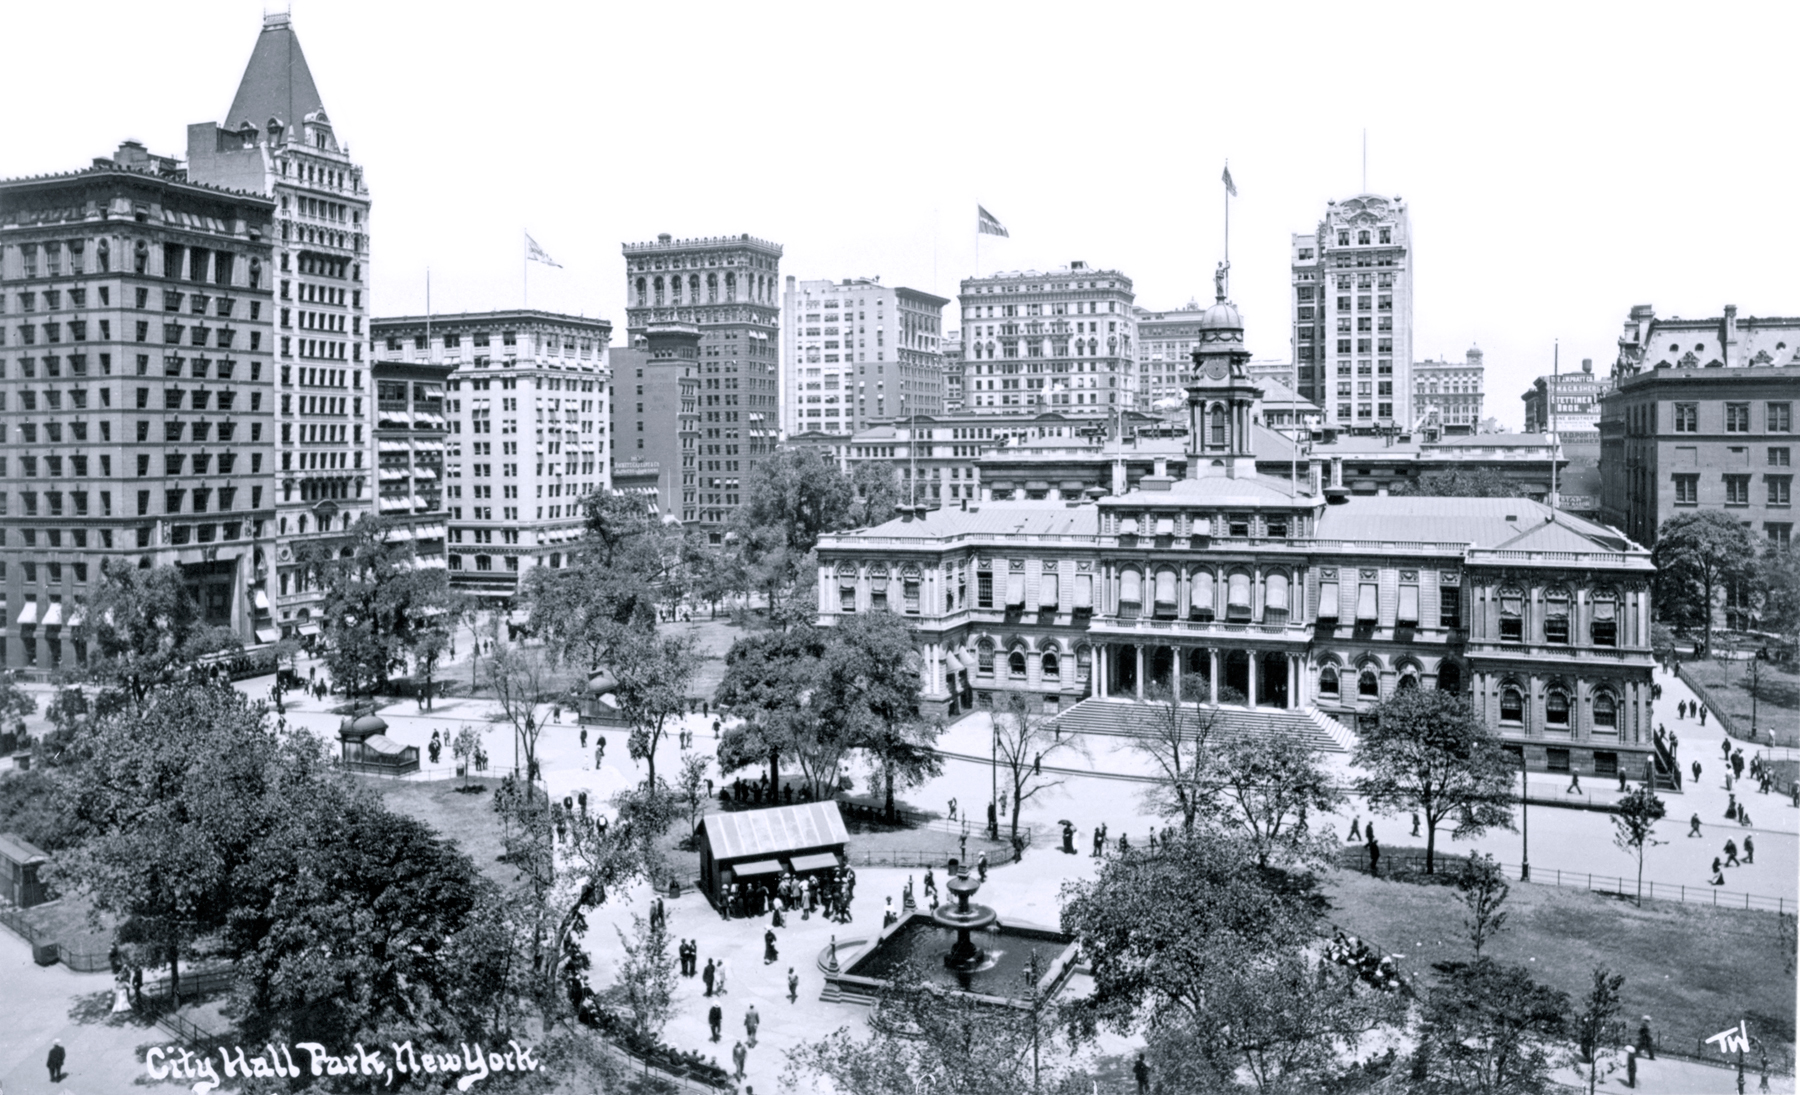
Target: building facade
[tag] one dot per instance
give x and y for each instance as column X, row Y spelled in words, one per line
column 954, row 372
column 656, row 422
column 138, row 425
column 411, row 431
column 1057, row 341
column 1353, row 306
column 1701, row 416
column 728, row 287
column 527, row 416
column 1566, row 404
column 277, row 140
column 1450, row 392
column 856, row 351
column 1226, row 587
column 1165, row 354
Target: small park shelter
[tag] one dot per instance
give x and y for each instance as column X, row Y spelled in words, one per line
column 367, row 748
column 19, row 863
column 758, row 845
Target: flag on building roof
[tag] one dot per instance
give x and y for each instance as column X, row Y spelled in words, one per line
column 987, row 222
column 1230, row 187
column 538, row 254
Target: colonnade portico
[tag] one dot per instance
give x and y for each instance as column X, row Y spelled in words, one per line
column 1122, row 670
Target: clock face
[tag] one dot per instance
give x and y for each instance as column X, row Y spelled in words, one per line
column 1216, row 370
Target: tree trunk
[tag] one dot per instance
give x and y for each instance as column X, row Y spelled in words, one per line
column 1430, row 842
column 775, row 772
column 175, row 969
column 890, row 793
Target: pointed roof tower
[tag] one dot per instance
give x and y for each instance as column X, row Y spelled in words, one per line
column 277, row 82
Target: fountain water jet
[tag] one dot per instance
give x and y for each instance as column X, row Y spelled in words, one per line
column 964, row 918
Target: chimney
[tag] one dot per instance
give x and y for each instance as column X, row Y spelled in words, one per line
column 1160, row 466
column 1729, row 337
column 1118, row 476
column 1337, row 471
column 1313, row 471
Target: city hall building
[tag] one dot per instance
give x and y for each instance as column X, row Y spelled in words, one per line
column 1270, row 595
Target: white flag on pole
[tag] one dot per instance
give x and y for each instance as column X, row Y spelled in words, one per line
column 538, row 254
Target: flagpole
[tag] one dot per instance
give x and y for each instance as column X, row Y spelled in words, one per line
column 525, row 275
column 1228, row 217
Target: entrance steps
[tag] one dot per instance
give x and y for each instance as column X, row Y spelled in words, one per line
column 1133, row 718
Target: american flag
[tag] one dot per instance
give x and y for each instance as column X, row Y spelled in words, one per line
column 987, row 222
column 538, row 254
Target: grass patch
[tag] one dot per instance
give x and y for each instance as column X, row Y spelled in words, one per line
column 66, row 921
column 1727, row 684
column 1694, row 969
column 466, row 819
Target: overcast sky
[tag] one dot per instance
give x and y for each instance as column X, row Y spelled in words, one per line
column 1561, row 162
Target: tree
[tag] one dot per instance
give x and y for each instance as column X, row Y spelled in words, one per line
column 524, row 682
column 143, row 628
column 1779, row 579
column 166, row 800
column 766, row 676
column 1177, row 739
column 377, row 605
column 1429, row 752
column 1483, row 482
column 1698, row 557
column 877, row 488
column 1489, row 1029
column 798, row 494
column 871, row 685
column 654, row 676
column 15, row 703
column 1022, row 738
column 1268, row 783
column 1483, row 890
column 1598, row 1028
column 646, row 982
column 1634, row 821
column 690, row 791
column 1161, row 931
column 463, row 748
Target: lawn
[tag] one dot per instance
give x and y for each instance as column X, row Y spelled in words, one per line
column 1777, row 701
column 467, row 819
column 1694, row 969
column 712, row 638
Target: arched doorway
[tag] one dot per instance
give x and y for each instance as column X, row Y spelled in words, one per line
column 1272, row 685
column 1199, row 673
column 1162, row 667
column 1123, row 662
column 1236, row 686
column 1449, row 677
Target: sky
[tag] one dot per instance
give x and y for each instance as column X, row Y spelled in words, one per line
column 1562, row 162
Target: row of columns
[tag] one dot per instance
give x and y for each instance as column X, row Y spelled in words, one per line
column 1139, row 653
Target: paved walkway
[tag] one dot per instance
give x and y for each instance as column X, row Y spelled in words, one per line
column 39, row 1004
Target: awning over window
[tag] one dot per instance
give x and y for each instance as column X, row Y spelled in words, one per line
column 1131, row 587
column 846, row 581
column 757, row 867
column 1204, row 598
column 268, row 634
column 878, row 583
column 1084, row 591
column 952, row 663
column 1328, row 600
column 1047, row 590
column 1128, row 527
column 1366, row 602
column 1603, row 610
column 1512, row 606
column 261, row 599
column 1275, row 592
column 818, row 861
column 309, row 629
column 1165, row 526
column 28, row 614
column 53, row 615
column 1015, row 590
column 1165, row 587
column 1409, row 605
column 1239, row 591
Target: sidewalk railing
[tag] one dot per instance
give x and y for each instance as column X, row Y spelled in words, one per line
column 1357, row 859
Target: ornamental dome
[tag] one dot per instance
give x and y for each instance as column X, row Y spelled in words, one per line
column 1222, row 316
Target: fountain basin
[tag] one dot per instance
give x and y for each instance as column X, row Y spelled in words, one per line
column 995, row 976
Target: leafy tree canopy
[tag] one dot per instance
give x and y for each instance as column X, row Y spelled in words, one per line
column 378, row 606
column 1699, row 556
column 143, row 628
column 1461, row 483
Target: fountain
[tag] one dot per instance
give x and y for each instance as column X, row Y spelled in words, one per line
column 964, row 956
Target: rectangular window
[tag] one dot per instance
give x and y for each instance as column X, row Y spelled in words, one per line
column 1687, row 490
column 1737, row 490
column 1556, row 618
column 1779, row 457
column 1328, row 600
column 1512, row 618
column 1408, row 612
column 1781, row 418
column 910, row 587
column 1687, row 418
column 1606, row 623
column 1367, row 603
column 1449, row 606
column 984, row 590
column 1780, row 489
column 1737, row 418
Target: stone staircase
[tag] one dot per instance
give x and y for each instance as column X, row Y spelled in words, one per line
column 1130, row 718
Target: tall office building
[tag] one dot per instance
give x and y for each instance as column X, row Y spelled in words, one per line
column 1353, row 304
column 1165, row 348
column 137, row 413
column 278, row 141
column 656, row 423
column 1035, row 341
column 856, row 350
column 527, row 414
column 728, row 288
column 1566, row 403
column 954, row 367
column 411, row 434
column 1452, row 391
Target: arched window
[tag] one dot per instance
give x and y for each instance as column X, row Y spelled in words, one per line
column 1606, row 619
column 984, row 658
column 675, row 289
column 1606, row 712
column 694, row 288
column 1275, row 598
column 1202, row 596
column 1084, row 662
column 712, row 288
column 659, row 291
column 1131, row 587
column 1328, row 681
column 1512, row 706
column 1556, row 709
column 1052, row 666
column 1449, row 677
column 1237, row 596
column 730, row 287
column 1368, row 684
column 1408, row 679
column 1015, row 665
column 1215, row 430
column 1556, row 616
column 1512, row 615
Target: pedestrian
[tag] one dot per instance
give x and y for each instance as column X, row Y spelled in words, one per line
column 1696, row 773
column 709, row 976
column 1356, row 830
column 1731, row 859
column 55, row 1061
column 737, row 1058
column 751, row 1022
column 1037, row 764
column 599, row 749
column 1415, row 819
column 1749, row 849
column 1374, row 858
column 1369, row 832
column 1099, row 839
column 1622, row 779
column 952, row 809
column 719, row 978
column 1702, row 714
column 1694, row 825
column 584, row 738
column 715, row 1018
column 1142, row 1072
column 930, row 883
column 769, row 955
column 1644, row 1045
column 1124, row 847
column 981, row 863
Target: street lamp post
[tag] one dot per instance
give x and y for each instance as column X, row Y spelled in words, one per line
column 1524, row 822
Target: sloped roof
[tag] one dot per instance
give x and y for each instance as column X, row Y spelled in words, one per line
column 1479, row 522
column 19, row 850
column 277, row 82
column 991, row 519
column 1216, row 490
column 775, row 830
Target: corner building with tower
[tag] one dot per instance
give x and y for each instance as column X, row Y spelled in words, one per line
column 1286, row 604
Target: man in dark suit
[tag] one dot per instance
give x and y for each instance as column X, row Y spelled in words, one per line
column 55, row 1061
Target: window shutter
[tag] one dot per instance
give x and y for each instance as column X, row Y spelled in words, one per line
column 1015, row 590
column 1275, row 592
column 1366, row 602
column 1047, row 590
column 1165, row 587
column 1409, row 605
column 1204, row 599
column 1131, row 587
column 1084, row 591
column 1239, row 591
column 1328, row 600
